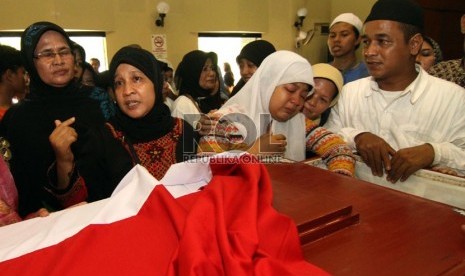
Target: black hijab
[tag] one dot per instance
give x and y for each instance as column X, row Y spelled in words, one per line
column 29, row 40
column 58, row 102
column 38, row 89
column 255, row 51
column 158, row 121
column 29, row 124
column 187, row 79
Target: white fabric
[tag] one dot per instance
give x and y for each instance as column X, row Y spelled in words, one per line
column 253, row 100
column 127, row 199
column 129, row 196
column 428, row 184
column 24, row 237
column 185, row 109
column 430, row 110
column 169, row 102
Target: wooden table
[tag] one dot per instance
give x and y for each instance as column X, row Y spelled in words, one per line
column 351, row 227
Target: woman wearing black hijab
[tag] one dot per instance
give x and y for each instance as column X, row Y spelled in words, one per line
column 143, row 123
column 57, row 134
column 249, row 59
column 198, row 83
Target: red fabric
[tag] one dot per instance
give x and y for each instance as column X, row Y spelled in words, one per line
column 228, row 228
column 77, row 194
column 2, row 112
column 8, row 196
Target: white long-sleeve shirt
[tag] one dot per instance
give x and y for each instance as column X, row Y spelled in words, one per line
column 186, row 109
column 430, row 110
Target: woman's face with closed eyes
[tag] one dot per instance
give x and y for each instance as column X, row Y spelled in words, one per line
column 426, row 57
column 323, row 94
column 287, row 100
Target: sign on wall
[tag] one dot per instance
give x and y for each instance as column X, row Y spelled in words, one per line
column 159, row 46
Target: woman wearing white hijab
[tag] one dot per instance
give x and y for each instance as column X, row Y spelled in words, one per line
column 268, row 107
column 326, row 92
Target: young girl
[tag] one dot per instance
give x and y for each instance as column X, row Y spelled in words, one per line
column 268, row 107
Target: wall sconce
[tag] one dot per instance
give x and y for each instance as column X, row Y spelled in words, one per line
column 301, row 14
column 162, row 9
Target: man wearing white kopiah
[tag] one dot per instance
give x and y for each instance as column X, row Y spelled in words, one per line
column 400, row 119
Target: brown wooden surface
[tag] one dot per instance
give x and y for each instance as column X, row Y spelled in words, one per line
column 364, row 229
column 442, row 23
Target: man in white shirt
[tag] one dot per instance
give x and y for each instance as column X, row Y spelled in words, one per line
column 400, row 119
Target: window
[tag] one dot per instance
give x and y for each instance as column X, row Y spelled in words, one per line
column 95, row 46
column 93, row 42
column 227, row 46
column 12, row 39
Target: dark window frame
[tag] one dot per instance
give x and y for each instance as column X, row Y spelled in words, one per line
column 245, row 35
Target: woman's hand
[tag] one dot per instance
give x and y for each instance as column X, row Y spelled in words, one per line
column 61, row 139
column 42, row 212
column 207, row 122
column 269, row 145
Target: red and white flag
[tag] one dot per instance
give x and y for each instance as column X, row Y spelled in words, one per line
column 178, row 228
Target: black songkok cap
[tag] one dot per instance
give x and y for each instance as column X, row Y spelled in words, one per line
column 403, row 11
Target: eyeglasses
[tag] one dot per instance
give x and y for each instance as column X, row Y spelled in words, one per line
column 49, row 55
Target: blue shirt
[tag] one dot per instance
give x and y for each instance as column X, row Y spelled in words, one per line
column 355, row 73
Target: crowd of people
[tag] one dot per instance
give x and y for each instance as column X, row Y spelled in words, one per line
column 76, row 131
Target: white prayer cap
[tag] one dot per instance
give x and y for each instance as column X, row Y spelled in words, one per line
column 350, row 18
